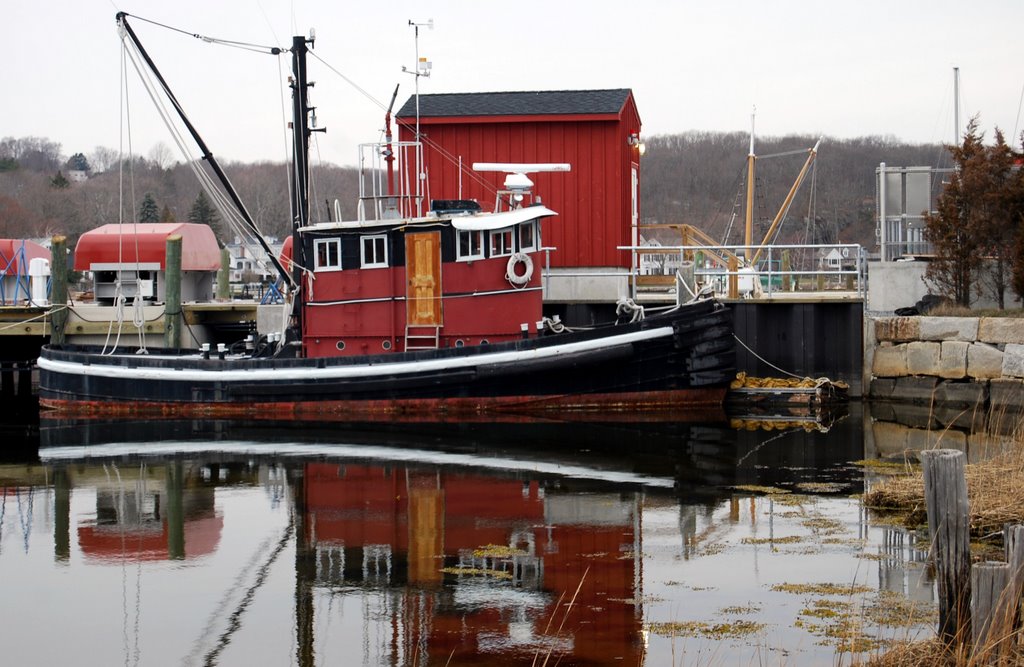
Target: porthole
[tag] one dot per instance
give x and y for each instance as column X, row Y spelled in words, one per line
column 340, row 345
column 386, row 345
column 459, row 343
column 483, row 341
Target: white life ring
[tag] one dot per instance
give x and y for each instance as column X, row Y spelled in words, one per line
column 511, row 273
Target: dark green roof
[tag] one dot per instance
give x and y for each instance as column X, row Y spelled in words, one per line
column 528, row 103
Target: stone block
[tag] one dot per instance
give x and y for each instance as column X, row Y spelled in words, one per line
column 984, row 361
column 1001, row 330
column 1013, row 361
column 923, row 358
column 949, row 328
column 889, row 361
column 953, row 358
column 966, row 395
column 897, row 329
column 915, row 389
column 881, row 388
column 1006, row 395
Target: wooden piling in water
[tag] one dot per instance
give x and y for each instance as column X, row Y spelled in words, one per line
column 58, row 289
column 172, row 294
column 991, row 611
column 945, row 491
column 1013, row 543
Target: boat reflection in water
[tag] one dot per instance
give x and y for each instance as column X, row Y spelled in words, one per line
column 399, row 543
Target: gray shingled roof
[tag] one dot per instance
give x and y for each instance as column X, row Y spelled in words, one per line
column 528, row 103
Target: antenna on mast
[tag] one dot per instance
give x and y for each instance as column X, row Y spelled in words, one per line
column 423, row 68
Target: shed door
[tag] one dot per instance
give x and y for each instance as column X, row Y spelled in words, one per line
column 423, row 278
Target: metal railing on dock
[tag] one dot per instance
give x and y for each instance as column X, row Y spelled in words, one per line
column 839, row 268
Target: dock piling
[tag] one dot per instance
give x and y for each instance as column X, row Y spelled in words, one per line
column 58, row 289
column 945, row 491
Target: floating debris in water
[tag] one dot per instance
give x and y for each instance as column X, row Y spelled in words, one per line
column 737, row 629
column 821, row 589
column 767, row 490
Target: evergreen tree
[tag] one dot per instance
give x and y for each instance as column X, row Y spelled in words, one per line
column 148, row 211
column 78, row 162
column 166, row 215
column 59, row 182
column 203, row 213
column 955, row 229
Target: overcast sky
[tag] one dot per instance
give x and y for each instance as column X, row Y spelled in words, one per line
column 858, row 68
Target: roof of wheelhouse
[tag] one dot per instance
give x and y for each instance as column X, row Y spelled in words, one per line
column 525, row 103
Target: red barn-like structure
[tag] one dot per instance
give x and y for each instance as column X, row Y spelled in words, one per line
column 598, row 203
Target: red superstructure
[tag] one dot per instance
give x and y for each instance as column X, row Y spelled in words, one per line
column 597, row 131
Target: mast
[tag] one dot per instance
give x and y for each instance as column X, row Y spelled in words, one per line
column 122, row 20
column 748, row 237
column 389, row 153
column 301, row 112
column 956, row 106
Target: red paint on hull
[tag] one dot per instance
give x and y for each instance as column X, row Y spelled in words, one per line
column 605, row 407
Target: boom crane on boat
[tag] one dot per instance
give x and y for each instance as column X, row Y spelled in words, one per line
column 126, row 30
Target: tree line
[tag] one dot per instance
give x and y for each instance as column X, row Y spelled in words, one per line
column 695, row 178
column 39, row 196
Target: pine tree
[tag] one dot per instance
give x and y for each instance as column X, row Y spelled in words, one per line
column 148, row 211
column 203, row 213
column 78, row 162
column 166, row 215
column 59, row 182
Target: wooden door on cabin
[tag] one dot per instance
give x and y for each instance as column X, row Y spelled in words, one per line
column 423, row 279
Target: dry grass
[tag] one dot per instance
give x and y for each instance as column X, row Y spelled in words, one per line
column 995, row 489
column 950, row 310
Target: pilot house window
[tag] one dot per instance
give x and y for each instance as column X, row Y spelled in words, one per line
column 501, row 243
column 374, row 251
column 471, row 245
column 528, row 237
column 327, row 254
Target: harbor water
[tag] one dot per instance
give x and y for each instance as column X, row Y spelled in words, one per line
column 511, row 542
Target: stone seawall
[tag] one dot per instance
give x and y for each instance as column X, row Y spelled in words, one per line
column 956, row 362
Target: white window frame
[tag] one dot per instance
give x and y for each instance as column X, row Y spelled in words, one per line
column 328, row 265
column 509, row 246
column 470, row 234
column 371, row 241
column 534, row 228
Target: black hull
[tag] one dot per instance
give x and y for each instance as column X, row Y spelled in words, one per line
column 685, row 355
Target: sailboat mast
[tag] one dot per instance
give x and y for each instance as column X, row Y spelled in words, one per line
column 748, row 237
column 956, row 106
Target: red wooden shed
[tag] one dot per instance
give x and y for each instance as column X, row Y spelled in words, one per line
column 596, row 131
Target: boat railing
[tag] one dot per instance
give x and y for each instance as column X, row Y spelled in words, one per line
column 778, row 270
column 389, row 182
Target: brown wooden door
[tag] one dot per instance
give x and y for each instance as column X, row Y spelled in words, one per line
column 423, row 278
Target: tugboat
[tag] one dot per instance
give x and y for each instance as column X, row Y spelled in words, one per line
column 399, row 313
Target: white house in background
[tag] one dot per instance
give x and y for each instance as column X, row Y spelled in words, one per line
column 248, row 263
column 77, row 176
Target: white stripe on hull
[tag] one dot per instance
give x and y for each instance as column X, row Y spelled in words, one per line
column 349, row 370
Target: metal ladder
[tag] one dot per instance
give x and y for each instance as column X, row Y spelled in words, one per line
column 422, row 336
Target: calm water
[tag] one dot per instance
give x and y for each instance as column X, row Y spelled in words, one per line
column 167, row 543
